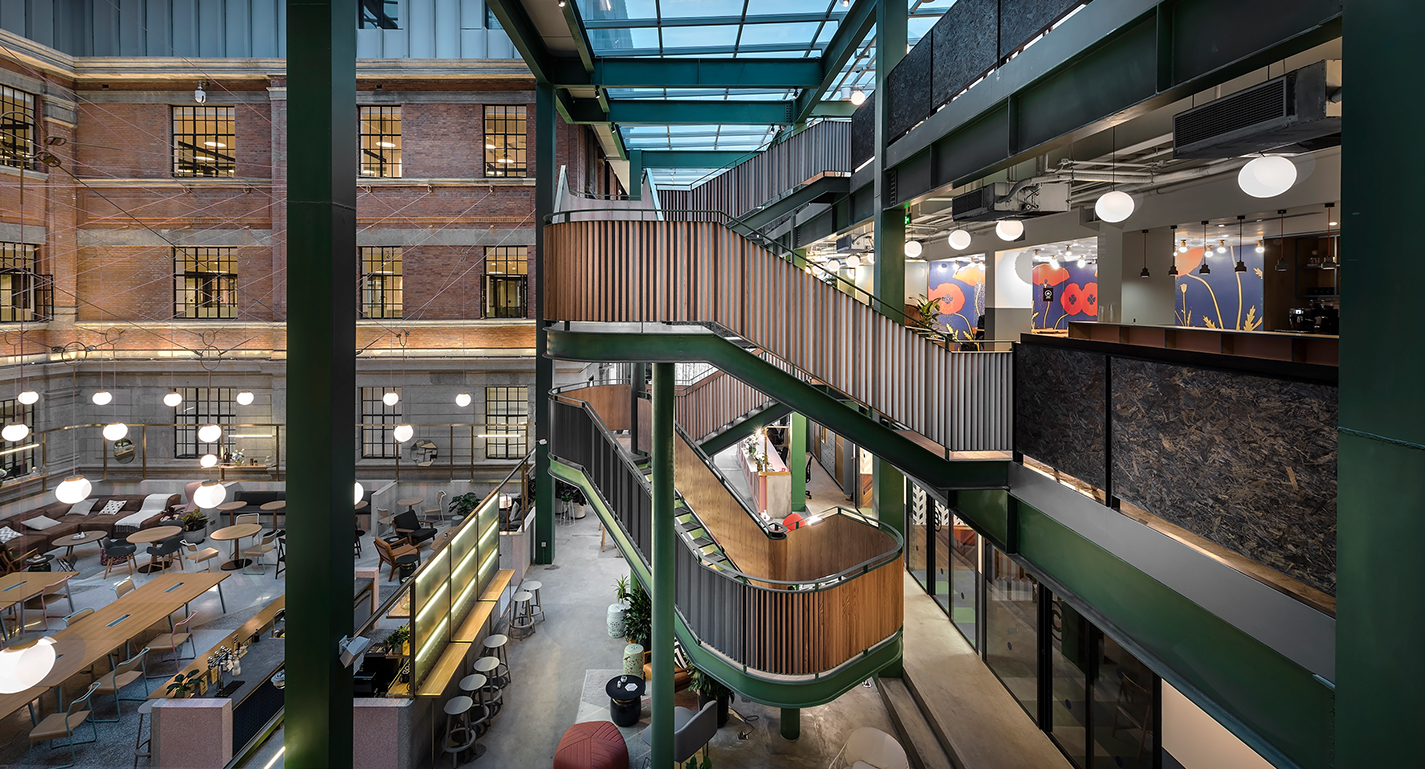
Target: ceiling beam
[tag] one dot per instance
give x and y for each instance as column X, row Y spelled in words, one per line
column 854, row 28
column 681, row 112
column 527, row 40
column 627, row 72
column 706, row 21
column 693, row 158
column 580, row 35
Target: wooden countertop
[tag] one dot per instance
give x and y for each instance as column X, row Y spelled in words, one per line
column 258, row 623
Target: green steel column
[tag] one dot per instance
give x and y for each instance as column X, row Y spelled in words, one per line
column 544, row 180
column 888, row 273
column 791, row 723
column 797, row 462
column 664, row 542
column 639, row 375
column 635, row 174
column 1380, row 534
column 321, row 375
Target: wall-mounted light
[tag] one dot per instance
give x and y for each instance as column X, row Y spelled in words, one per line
column 199, row 95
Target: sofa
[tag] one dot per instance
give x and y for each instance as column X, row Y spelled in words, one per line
column 72, row 523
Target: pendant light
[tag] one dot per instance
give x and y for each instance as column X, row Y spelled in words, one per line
column 102, row 397
column 115, row 431
column 391, row 398
column 959, row 240
column 27, row 396
column 463, row 399
column 15, row 431
column 858, row 97
column 1173, row 256
column 1114, row 206
column 210, row 494
column 1281, row 241
column 1145, row 273
column 359, row 492
column 1267, row 177
column 208, row 460
column 24, row 663
column 73, row 489
column 1331, row 263
column 173, row 399
column 1206, row 251
column 244, row 398
column 210, row 433
column 403, row 433
column 853, row 261
column 1009, row 229
column 913, row 250
column 1241, row 266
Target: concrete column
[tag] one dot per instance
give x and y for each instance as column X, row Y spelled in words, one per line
column 1009, row 301
column 544, row 181
column 797, row 461
column 321, row 369
column 664, row 574
column 1124, row 295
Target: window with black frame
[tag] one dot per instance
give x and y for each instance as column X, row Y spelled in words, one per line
column 204, row 140
column 506, row 280
column 203, row 406
column 506, row 417
column 381, row 282
column 18, row 459
column 378, row 14
column 17, row 127
column 381, row 141
column 377, row 421
column 204, row 283
column 505, row 140
column 21, row 290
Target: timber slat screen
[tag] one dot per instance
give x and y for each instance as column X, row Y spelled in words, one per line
column 714, row 401
column 776, row 630
column 657, row 271
column 768, row 175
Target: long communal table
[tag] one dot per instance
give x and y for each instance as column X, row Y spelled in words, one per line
column 18, row 587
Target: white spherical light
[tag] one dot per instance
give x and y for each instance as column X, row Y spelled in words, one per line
column 913, row 248
column 209, row 460
column 210, row 495
column 858, row 97
column 391, row 399
column 462, row 400
column 360, row 492
column 29, row 397
column 853, row 261
column 833, row 265
column 16, row 431
column 1114, row 206
column 959, row 240
column 172, row 399
column 1009, row 229
column 115, row 430
column 1267, row 177
column 74, row 489
column 244, row 398
column 210, row 433
column 23, row 665
column 402, row 433
column 102, row 398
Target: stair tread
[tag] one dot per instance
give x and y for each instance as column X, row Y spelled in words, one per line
column 923, row 747
column 703, row 541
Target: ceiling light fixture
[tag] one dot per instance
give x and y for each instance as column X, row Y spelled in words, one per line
column 1114, row 206
column 854, row 261
column 1281, row 241
column 25, row 662
column 199, row 95
column 209, row 460
column 1009, row 229
column 115, row 431
column 913, row 249
column 403, row 433
column 462, row 400
column 1221, row 246
column 858, row 97
column 959, row 240
column 1173, row 257
column 73, row 489
column 358, row 493
column 1241, row 266
column 1206, row 250
column 1145, row 273
column 209, row 495
column 244, row 398
column 391, row 398
column 172, row 399
column 210, row 433
column 1267, row 177
column 1332, row 263
column 102, row 398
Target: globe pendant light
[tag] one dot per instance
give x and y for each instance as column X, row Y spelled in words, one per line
column 360, row 492
column 74, row 489
column 463, row 399
column 29, row 397
column 15, row 431
column 1009, row 229
column 1267, row 177
column 209, row 460
column 1114, row 206
column 209, row 495
column 403, row 433
column 833, row 266
column 25, row 662
column 858, row 97
column 913, row 250
column 391, row 398
column 959, row 240
column 244, row 398
column 115, row 430
column 210, row 433
column 102, row 398
column 853, row 261
column 173, row 399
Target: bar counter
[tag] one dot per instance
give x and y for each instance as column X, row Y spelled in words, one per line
column 1270, row 345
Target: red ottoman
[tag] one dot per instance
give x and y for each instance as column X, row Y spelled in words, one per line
column 592, row 745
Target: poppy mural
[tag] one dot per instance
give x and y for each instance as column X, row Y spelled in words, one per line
column 958, row 289
column 1074, row 292
column 1224, row 298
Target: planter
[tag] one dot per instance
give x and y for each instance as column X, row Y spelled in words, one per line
column 724, row 707
column 580, row 511
column 196, row 536
column 615, row 620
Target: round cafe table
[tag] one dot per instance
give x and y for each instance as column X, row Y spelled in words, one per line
column 150, row 536
column 275, row 507
column 237, row 534
column 84, row 538
column 232, row 507
column 410, row 503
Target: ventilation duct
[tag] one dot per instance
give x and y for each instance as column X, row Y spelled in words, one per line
column 1004, row 200
column 1297, row 112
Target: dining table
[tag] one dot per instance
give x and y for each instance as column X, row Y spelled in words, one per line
column 150, row 536
column 236, row 534
column 18, row 587
column 231, row 509
column 276, row 506
column 410, row 503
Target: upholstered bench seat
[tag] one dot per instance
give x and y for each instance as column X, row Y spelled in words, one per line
column 592, row 745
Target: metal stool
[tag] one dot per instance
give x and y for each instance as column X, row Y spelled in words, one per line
column 457, row 722
column 492, row 696
column 143, row 747
column 494, row 646
column 522, row 623
column 536, row 609
column 474, row 686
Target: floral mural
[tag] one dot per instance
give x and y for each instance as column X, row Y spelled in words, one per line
column 1224, row 298
column 1074, row 290
column 958, row 291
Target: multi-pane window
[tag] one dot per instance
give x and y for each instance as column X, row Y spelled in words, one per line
column 17, row 462
column 380, row 281
column 377, row 420
column 381, row 141
column 377, row 14
column 203, row 141
column 204, row 285
column 17, row 127
column 203, row 406
column 24, row 296
column 506, row 273
column 506, row 418
column 505, row 140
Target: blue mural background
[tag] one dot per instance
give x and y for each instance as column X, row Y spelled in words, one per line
column 1223, row 298
column 1075, row 294
column 960, row 289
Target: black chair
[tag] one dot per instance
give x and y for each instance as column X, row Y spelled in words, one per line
column 165, row 549
column 359, row 535
column 409, row 526
column 117, row 551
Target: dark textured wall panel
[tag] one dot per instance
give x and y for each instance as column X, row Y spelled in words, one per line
column 863, row 133
column 1059, row 409
column 1021, row 20
column 908, row 87
column 966, row 46
column 1247, row 462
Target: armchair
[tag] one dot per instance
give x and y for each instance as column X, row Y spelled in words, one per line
column 409, row 526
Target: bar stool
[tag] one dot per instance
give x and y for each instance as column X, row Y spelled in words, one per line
column 457, row 722
column 494, row 646
column 143, row 748
column 522, row 623
column 536, row 609
column 492, row 696
column 473, row 686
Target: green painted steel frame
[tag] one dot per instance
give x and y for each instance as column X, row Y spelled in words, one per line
column 747, row 426
column 777, row 692
column 819, row 191
column 854, row 27
column 679, row 112
column 692, row 158
column 709, row 72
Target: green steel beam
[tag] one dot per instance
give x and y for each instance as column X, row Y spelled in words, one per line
column 773, row 691
column 680, row 112
column 693, row 158
column 859, row 20
column 833, row 109
column 797, row 461
column 664, row 542
column 581, row 37
column 823, row 190
column 321, row 372
column 651, row 22
column 747, row 426
column 637, row 72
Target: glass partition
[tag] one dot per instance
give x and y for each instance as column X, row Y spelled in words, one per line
column 963, row 556
column 1011, row 629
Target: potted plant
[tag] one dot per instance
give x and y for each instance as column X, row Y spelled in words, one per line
column 196, row 523
column 399, row 641
column 462, row 506
column 710, row 689
column 617, row 609
column 638, row 618
column 183, row 685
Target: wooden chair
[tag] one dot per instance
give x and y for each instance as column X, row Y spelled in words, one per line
column 123, row 587
column 196, row 556
column 179, row 633
column 682, row 673
column 389, row 555
column 57, row 725
column 258, row 552
column 383, row 518
column 76, row 616
column 55, row 590
column 10, row 564
column 123, row 674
